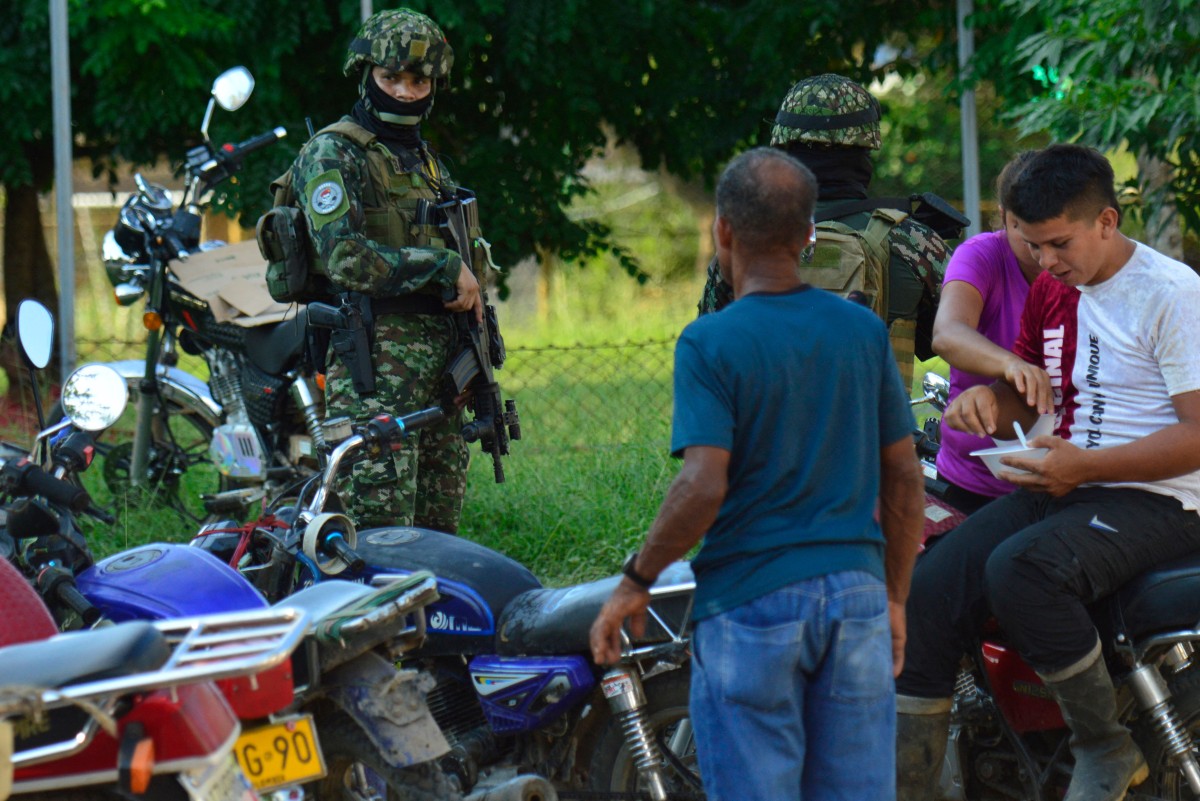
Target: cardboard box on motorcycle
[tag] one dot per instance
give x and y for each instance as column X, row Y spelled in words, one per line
column 233, row 281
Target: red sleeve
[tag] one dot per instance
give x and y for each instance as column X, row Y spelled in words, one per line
column 1029, row 338
column 1048, row 336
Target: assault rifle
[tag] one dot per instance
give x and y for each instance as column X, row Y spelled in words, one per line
column 482, row 347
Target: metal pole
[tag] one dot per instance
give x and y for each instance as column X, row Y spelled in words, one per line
column 60, row 55
column 970, row 124
column 366, row 9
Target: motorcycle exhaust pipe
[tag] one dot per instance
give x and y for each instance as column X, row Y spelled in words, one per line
column 521, row 788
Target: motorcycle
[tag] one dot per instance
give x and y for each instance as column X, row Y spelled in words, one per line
column 516, row 688
column 940, row 515
column 128, row 711
column 1008, row 739
column 254, row 427
column 337, row 719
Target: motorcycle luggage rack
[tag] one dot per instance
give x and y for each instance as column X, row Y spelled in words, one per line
column 204, row 648
column 410, row 605
column 676, row 583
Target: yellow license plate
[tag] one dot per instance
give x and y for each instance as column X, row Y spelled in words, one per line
column 281, row 754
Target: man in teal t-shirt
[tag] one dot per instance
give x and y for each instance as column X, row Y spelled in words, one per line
column 792, row 424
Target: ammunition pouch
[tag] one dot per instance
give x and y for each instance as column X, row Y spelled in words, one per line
column 292, row 273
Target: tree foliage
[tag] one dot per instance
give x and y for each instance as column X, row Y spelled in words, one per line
column 537, row 87
column 1121, row 72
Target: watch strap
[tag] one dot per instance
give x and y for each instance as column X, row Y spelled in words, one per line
column 629, row 570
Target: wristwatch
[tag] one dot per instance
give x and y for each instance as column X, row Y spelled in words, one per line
column 631, row 573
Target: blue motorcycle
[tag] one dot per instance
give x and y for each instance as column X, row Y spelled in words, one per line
column 516, row 688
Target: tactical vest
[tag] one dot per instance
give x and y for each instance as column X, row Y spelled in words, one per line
column 846, row 259
column 398, row 205
column 396, row 186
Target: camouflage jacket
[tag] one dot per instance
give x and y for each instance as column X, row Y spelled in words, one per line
column 360, row 210
column 911, row 243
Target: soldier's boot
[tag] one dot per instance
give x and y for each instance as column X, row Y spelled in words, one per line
column 1107, row 761
column 922, row 726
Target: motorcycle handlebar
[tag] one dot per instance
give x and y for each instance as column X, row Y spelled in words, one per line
column 386, row 428
column 29, row 479
column 423, row 418
column 58, row 587
column 226, row 159
column 255, row 142
column 342, row 550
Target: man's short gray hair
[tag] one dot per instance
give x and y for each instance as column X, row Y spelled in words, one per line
column 767, row 197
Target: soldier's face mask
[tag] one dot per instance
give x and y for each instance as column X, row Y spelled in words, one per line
column 389, row 109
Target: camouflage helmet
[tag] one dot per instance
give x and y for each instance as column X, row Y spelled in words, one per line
column 401, row 39
column 828, row 110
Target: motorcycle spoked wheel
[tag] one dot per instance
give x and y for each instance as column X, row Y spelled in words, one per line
column 612, row 767
column 356, row 771
column 1166, row 781
column 178, row 469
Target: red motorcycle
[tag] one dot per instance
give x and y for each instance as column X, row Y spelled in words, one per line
column 1008, row 739
column 129, row 711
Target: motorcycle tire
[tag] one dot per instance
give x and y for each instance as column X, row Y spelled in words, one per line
column 1166, row 781
column 357, row 770
column 178, row 473
column 612, row 767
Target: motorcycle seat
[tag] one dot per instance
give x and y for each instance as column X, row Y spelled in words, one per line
column 558, row 621
column 322, row 600
column 275, row 348
column 86, row 656
column 1164, row 598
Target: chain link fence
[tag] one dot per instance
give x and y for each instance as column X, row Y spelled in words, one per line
column 573, row 396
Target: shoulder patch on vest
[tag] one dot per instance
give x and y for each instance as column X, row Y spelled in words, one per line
column 327, row 199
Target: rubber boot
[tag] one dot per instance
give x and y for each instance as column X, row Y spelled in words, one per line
column 1107, row 761
column 922, row 726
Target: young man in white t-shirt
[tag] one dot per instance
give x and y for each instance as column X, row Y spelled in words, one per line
column 1117, row 493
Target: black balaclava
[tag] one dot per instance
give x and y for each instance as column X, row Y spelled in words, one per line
column 843, row 173
column 396, row 123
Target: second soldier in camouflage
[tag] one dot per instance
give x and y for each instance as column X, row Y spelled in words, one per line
column 831, row 124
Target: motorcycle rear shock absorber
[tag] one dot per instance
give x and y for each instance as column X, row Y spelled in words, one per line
column 1155, row 699
column 308, row 407
column 623, row 688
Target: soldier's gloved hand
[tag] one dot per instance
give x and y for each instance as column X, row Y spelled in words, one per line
column 467, row 297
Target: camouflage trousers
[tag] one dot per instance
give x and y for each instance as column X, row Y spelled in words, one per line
column 423, row 483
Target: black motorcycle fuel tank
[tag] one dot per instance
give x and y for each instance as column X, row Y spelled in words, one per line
column 495, row 578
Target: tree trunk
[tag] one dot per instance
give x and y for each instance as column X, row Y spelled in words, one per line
column 28, row 270
column 1162, row 230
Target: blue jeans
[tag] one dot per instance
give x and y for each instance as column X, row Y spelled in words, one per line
column 792, row 695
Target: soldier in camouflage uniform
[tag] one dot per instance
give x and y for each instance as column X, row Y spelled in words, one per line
column 831, row 124
column 364, row 185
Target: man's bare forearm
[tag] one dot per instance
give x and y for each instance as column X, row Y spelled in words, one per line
column 901, row 515
column 687, row 512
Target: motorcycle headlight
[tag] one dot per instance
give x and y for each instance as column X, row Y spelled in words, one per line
column 120, row 265
column 126, row 242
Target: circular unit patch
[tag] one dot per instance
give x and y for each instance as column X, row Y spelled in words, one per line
column 326, row 197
